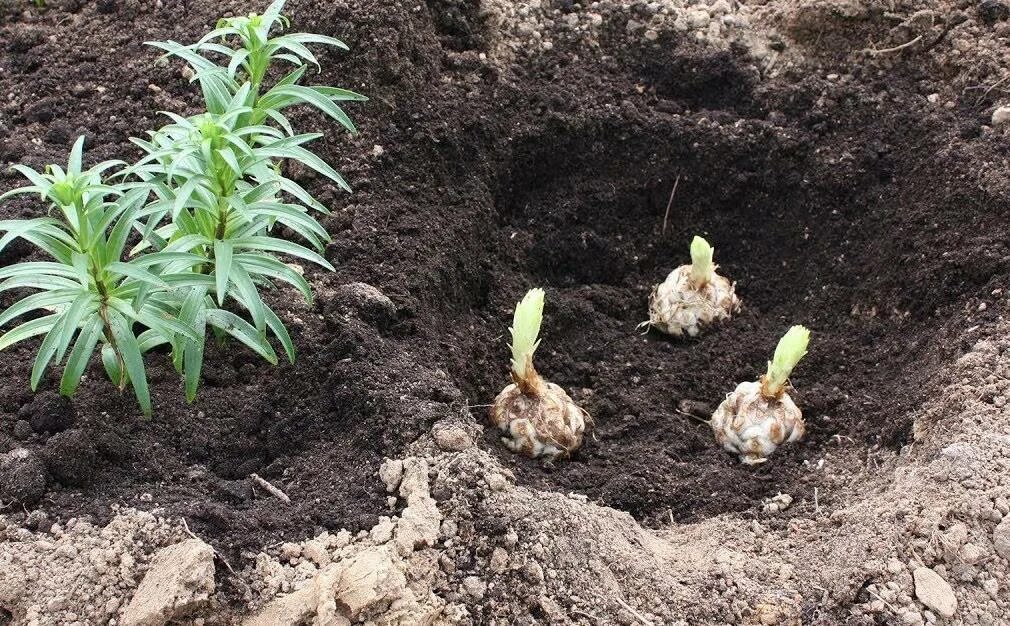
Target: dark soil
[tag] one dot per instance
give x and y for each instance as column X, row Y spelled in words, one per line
column 832, row 205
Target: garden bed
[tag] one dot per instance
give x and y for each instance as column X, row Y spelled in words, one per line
column 843, row 199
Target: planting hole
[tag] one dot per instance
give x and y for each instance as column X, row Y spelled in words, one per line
column 581, row 211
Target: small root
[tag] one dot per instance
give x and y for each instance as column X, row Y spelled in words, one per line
column 271, row 489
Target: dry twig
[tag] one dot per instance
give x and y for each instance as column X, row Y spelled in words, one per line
column 269, row 488
column 907, row 44
column 669, row 203
column 635, row 613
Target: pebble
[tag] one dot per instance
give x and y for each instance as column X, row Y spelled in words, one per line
column 972, row 553
column 911, row 617
column 1001, row 538
column 451, row 438
column 497, row 482
column 1001, row 116
column 290, row 551
column 499, row 560
column 698, row 19
column 778, row 503
column 391, row 473
column 475, row 587
column 934, row 592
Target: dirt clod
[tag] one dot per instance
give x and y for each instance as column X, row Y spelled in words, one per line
column 71, row 457
column 48, row 412
column 22, row 477
column 178, row 581
column 933, row 591
column 1001, row 538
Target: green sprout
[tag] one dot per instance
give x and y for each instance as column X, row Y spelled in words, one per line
column 205, row 200
column 525, row 329
column 701, row 261
column 791, row 348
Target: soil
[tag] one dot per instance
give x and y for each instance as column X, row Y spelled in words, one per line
column 843, row 200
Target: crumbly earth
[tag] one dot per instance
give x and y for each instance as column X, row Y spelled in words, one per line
column 849, row 156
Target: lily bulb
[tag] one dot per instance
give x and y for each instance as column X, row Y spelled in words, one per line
column 537, row 418
column 758, row 416
column 693, row 296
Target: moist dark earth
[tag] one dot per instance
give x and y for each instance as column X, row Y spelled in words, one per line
column 843, row 207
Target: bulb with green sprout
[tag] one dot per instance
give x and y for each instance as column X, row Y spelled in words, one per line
column 693, row 296
column 759, row 415
column 537, row 417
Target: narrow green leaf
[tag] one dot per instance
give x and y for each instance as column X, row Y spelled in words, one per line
column 76, row 157
column 81, row 353
column 133, row 360
column 280, row 245
column 28, row 330
column 281, row 333
column 243, row 331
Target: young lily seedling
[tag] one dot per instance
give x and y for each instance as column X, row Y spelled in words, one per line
column 537, row 417
column 759, row 416
column 693, row 296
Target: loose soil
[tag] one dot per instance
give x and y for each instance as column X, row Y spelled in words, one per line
column 846, row 206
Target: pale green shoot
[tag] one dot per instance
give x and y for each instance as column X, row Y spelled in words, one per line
column 792, row 347
column 701, row 261
column 525, row 329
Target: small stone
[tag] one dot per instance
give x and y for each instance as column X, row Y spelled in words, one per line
column 179, row 580
column 383, row 531
column 651, row 35
column 452, row 438
column 378, row 151
column 499, row 560
column 972, row 553
column 497, row 482
column 1001, row 116
column 698, row 19
column 1001, row 538
column 290, row 551
column 475, row 587
column 934, row 591
column 911, row 617
column 391, row 473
